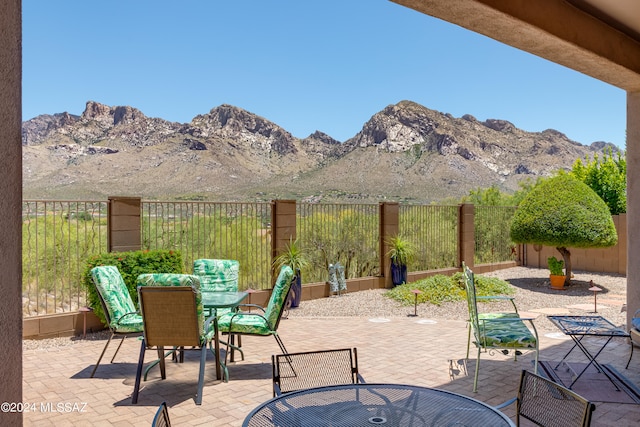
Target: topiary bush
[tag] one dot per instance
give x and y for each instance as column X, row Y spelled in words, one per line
column 563, row 212
column 130, row 264
column 440, row 288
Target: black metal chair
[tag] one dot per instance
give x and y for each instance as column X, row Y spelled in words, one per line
column 298, row 371
column 549, row 404
column 162, row 417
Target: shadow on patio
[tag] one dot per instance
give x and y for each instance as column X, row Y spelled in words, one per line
column 401, row 350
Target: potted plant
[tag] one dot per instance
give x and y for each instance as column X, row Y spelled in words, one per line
column 294, row 256
column 556, row 275
column 401, row 252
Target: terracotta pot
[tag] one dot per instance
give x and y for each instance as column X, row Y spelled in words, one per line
column 557, row 282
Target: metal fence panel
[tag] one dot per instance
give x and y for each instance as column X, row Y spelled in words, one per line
column 345, row 233
column 433, row 230
column 57, row 238
column 492, row 234
column 239, row 231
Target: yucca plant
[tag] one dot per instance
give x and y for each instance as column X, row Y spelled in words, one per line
column 401, row 251
column 293, row 255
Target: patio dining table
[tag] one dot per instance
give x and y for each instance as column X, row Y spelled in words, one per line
column 369, row 404
column 213, row 301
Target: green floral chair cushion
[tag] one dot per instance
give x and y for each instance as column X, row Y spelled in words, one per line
column 217, row 275
column 260, row 324
column 504, row 333
column 174, row 279
column 120, row 312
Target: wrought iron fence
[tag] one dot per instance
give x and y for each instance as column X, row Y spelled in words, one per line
column 57, row 237
column 345, row 233
column 239, row 231
column 492, row 234
column 433, row 231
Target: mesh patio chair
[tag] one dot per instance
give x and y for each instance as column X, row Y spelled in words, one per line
column 549, row 404
column 502, row 331
column 171, row 307
column 119, row 310
column 259, row 324
column 161, row 418
column 298, row 371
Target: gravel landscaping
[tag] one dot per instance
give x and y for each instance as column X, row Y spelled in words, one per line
column 533, row 297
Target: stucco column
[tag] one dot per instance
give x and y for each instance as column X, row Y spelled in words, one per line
column 389, row 227
column 11, row 208
column 633, row 203
column 466, row 235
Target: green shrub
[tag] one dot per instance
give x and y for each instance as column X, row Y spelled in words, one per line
column 440, row 288
column 566, row 213
column 130, row 264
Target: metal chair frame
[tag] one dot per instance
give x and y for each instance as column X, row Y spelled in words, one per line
column 296, row 371
column 161, row 419
column 172, row 322
column 113, row 331
column 479, row 325
column 549, row 404
column 273, row 328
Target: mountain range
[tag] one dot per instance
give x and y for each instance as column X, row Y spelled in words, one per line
column 406, row 152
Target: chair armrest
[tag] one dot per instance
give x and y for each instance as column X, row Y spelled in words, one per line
column 253, row 306
column 360, row 378
column 508, row 319
column 127, row 314
column 499, row 297
column 208, row 321
column 507, row 403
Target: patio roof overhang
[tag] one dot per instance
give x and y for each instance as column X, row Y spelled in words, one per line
column 599, row 38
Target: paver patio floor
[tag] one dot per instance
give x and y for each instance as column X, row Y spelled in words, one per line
column 409, row 350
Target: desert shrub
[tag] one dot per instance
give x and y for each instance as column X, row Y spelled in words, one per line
column 130, row 264
column 440, row 288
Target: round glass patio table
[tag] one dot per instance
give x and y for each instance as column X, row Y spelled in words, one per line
column 371, row 405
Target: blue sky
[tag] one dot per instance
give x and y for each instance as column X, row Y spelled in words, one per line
column 325, row 65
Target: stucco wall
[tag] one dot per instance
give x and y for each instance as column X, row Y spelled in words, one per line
column 10, row 208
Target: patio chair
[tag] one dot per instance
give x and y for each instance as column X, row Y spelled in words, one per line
column 549, row 404
column 503, row 331
column 254, row 323
column 171, row 307
column 162, row 417
column 297, row 371
column 119, row 310
column 219, row 275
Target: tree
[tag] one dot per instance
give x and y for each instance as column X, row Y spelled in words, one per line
column 564, row 212
column 607, row 177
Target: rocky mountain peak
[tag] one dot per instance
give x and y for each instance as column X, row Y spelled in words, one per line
column 404, row 152
column 397, row 127
column 248, row 129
